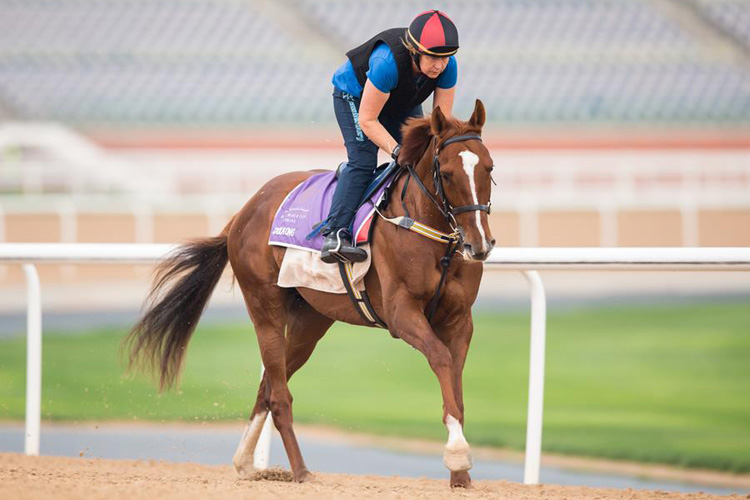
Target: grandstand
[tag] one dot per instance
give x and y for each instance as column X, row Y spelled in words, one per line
column 730, row 16
column 198, row 102
column 193, row 63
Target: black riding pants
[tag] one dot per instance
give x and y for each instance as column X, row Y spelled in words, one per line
column 362, row 156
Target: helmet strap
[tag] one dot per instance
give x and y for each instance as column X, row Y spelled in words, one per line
column 415, row 56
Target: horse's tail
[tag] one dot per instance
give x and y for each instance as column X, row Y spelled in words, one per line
column 181, row 289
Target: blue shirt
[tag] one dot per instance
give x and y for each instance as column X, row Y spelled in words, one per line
column 383, row 73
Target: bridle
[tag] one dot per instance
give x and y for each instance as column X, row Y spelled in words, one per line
column 441, row 201
column 454, row 240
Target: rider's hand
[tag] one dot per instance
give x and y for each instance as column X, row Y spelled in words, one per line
column 395, row 152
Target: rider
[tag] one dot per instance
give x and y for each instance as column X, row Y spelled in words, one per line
column 384, row 82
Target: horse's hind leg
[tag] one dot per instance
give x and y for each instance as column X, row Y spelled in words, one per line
column 305, row 326
column 243, row 459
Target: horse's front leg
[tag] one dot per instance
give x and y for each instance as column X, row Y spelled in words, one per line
column 410, row 324
column 456, row 334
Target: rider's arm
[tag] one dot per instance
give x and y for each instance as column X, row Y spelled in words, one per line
column 446, row 88
column 444, row 99
column 370, row 106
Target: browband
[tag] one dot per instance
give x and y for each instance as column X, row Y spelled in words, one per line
column 458, row 138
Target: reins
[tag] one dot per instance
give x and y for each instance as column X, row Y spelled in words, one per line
column 453, row 240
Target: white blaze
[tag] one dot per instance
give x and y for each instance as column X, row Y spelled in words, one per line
column 470, row 161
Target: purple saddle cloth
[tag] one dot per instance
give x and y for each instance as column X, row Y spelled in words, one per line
column 308, row 204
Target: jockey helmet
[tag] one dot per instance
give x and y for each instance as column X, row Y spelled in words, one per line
column 433, row 33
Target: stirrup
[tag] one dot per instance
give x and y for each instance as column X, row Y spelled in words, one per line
column 344, row 251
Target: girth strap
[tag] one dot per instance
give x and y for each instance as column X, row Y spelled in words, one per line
column 359, row 298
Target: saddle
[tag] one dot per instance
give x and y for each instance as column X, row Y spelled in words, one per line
column 303, row 212
column 297, row 226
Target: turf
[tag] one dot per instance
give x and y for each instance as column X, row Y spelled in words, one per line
column 651, row 384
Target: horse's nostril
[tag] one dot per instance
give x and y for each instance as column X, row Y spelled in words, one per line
column 492, row 243
column 480, row 256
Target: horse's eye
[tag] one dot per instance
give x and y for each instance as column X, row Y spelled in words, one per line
column 446, row 176
column 491, row 168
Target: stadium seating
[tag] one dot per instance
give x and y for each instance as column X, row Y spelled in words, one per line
column 228, row 62
column 732, row 15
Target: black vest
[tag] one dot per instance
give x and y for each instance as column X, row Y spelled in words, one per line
column 406, row 95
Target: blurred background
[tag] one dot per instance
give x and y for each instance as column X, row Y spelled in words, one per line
column 611, row 123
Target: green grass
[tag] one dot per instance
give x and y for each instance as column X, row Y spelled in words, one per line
column 651, row 384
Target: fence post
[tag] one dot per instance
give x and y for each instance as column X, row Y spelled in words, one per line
column 33, row 360
column 536, row 378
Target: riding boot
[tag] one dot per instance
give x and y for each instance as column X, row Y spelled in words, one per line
column 338, row 247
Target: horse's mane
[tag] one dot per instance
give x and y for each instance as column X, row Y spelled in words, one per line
column 417, row 135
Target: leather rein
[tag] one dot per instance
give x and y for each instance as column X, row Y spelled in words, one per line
column 453, row 240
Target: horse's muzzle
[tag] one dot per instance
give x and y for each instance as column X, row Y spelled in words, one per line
column 471, row 252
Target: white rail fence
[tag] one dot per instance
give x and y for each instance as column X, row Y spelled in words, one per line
column 58, row 172
column 526, row 260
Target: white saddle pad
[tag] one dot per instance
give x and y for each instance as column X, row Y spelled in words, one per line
column 303, row 268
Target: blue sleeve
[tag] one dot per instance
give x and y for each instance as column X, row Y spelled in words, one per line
column 449, row 76
column 383, row 72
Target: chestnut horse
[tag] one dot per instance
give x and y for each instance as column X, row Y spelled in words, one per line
column 448, row 167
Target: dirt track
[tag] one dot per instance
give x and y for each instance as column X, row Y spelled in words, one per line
column 23, row 477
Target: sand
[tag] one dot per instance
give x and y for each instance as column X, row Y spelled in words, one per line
column 23, row 477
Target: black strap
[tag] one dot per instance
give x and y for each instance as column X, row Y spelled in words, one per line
column 470, row 208
column 378, row 321
column 403, row 191
column 445, row 263
column 413, row 173
column 365, row 300
column 459, row 138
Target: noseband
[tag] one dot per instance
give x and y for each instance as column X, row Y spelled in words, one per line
column 441, row 202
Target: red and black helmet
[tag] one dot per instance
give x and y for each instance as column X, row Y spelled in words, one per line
column 434, row 34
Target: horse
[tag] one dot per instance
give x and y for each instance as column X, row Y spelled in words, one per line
column 450, row 172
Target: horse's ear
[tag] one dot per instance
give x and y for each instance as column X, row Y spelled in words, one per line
column 438, row 123
column 478, row 116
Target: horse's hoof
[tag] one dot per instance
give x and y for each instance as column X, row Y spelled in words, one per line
column 460, row 479
column 303, row 476
column 457, row 460
column 245, row 472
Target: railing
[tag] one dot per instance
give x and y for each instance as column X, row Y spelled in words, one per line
column 532, row 182
column 527, row 260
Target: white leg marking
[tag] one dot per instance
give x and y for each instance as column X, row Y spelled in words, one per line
column 457, row 455
column 243, row 457
column 470, row 161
